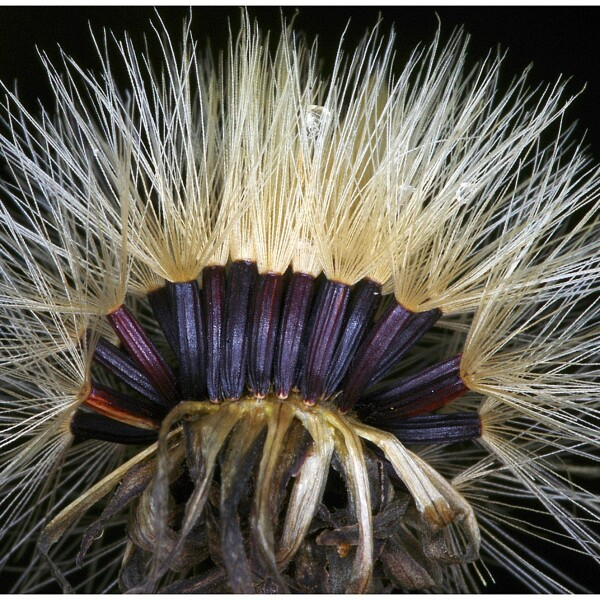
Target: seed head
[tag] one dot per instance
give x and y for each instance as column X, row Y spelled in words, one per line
column 266, row 329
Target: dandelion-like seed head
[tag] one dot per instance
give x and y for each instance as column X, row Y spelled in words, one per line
column 266, row 329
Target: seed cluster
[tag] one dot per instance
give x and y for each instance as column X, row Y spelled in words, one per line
column 244, row 333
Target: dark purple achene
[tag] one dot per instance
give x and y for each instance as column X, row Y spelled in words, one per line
column 125, row 369
column 263, row 332
column 423, row 392
column 364, row 301
column 294, row 317
column 185, row 305
column 329, row 311
column 144, row 352
column 436, row 429
column 238, row 299
column 213, row 300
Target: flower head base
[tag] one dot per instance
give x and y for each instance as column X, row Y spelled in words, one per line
column 240, row 292
column 262, row 445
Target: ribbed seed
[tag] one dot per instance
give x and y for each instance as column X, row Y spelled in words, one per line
column 424, row 392
column 380, row 341
column 262, row 336
column 329, row 310
column 144, row 352
column 240, row 284
column 435, row 429
column 364, row 300
column 124, row 368
column 185, row 305
column 213, row 300
column 294, row 317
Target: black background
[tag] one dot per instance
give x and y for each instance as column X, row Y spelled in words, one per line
column 557, row 40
